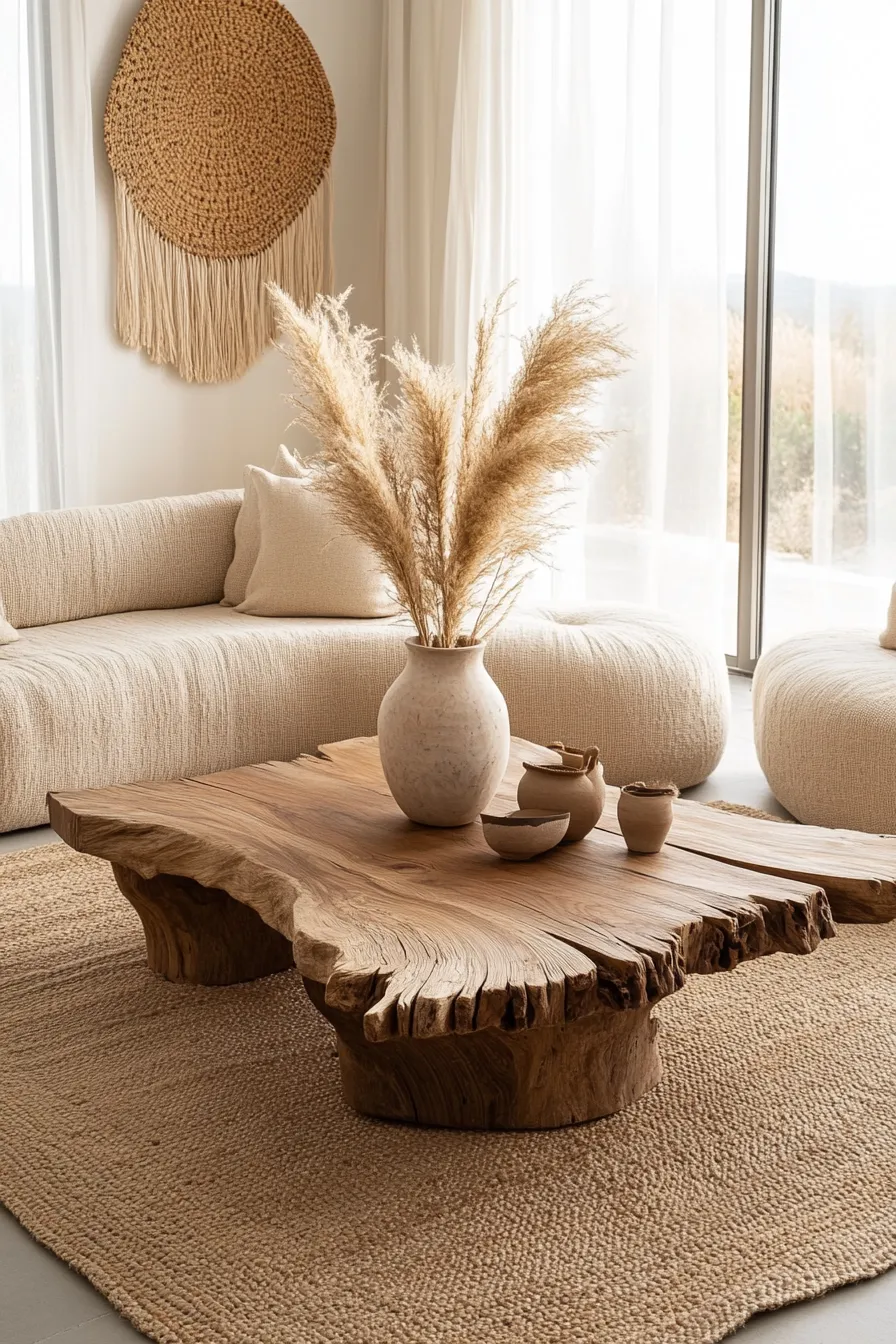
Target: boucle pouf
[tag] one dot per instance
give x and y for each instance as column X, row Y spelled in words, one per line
column 824, row 709
column 634, row 682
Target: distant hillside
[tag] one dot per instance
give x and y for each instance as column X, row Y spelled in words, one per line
column 795, row 296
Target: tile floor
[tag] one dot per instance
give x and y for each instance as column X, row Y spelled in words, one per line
column 42, row 1300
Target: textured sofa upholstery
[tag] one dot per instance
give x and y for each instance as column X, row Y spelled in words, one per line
column 824, row 714
column 176, row 684
column 72, row 563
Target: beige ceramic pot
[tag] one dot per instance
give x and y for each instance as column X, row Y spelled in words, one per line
column 578, row 790
column 444, row 735
column 644, row 814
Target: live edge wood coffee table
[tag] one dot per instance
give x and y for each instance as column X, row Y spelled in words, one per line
column 465, row 991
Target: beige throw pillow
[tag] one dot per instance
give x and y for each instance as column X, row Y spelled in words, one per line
column 246, row 536
column 307, row 564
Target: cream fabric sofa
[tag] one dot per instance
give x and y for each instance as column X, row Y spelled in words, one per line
column 128, row 668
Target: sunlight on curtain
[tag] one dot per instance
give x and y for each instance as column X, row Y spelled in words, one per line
column 19, row 406
column 47, row 256
column 608, row 142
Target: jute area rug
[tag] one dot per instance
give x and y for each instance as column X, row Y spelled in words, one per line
column 189, row 1151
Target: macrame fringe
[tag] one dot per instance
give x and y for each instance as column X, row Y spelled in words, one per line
column 212, row 317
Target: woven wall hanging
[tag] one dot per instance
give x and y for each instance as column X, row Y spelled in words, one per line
column 219, row 128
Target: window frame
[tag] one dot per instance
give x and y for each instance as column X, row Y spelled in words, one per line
column 758, row 310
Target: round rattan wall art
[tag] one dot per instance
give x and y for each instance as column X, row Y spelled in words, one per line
column 219, row 128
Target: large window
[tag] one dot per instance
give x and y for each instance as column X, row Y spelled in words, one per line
column 721, row 169
column 831, row 534
column 818, row 523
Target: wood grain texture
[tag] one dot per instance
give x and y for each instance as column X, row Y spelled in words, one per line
column 412, row 935
column 425, row 931
column 857, row 870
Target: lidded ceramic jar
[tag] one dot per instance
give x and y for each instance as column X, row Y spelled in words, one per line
column 644, row 813
column 576, row 789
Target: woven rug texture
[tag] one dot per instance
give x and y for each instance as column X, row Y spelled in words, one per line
column 188, row 1150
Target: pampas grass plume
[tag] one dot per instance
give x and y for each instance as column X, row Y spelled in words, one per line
column 456, row 501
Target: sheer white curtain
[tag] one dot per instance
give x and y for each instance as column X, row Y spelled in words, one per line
column 47, row 259
column 21, row 431
column 553, row 141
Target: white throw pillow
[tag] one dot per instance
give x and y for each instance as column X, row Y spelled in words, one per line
column 307, row 564
column 246, row 536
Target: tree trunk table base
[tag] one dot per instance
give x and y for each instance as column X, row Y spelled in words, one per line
column 464, row 991
column 533, row 1078
column 199, row 934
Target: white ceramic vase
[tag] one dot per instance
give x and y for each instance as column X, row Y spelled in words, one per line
column 444, row 735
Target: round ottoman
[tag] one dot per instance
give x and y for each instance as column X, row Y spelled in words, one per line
column 627, row 679
column 824, row 709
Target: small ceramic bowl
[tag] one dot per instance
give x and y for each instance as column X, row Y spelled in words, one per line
column 523, row 834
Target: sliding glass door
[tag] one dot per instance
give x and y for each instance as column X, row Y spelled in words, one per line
column 831, row 535
column 816, row 486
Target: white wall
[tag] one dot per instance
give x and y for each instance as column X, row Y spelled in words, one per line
column 154, row 433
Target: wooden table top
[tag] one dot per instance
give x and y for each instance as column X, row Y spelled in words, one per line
column 426, row 932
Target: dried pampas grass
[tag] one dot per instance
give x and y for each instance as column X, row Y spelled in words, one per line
column 456, row 500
